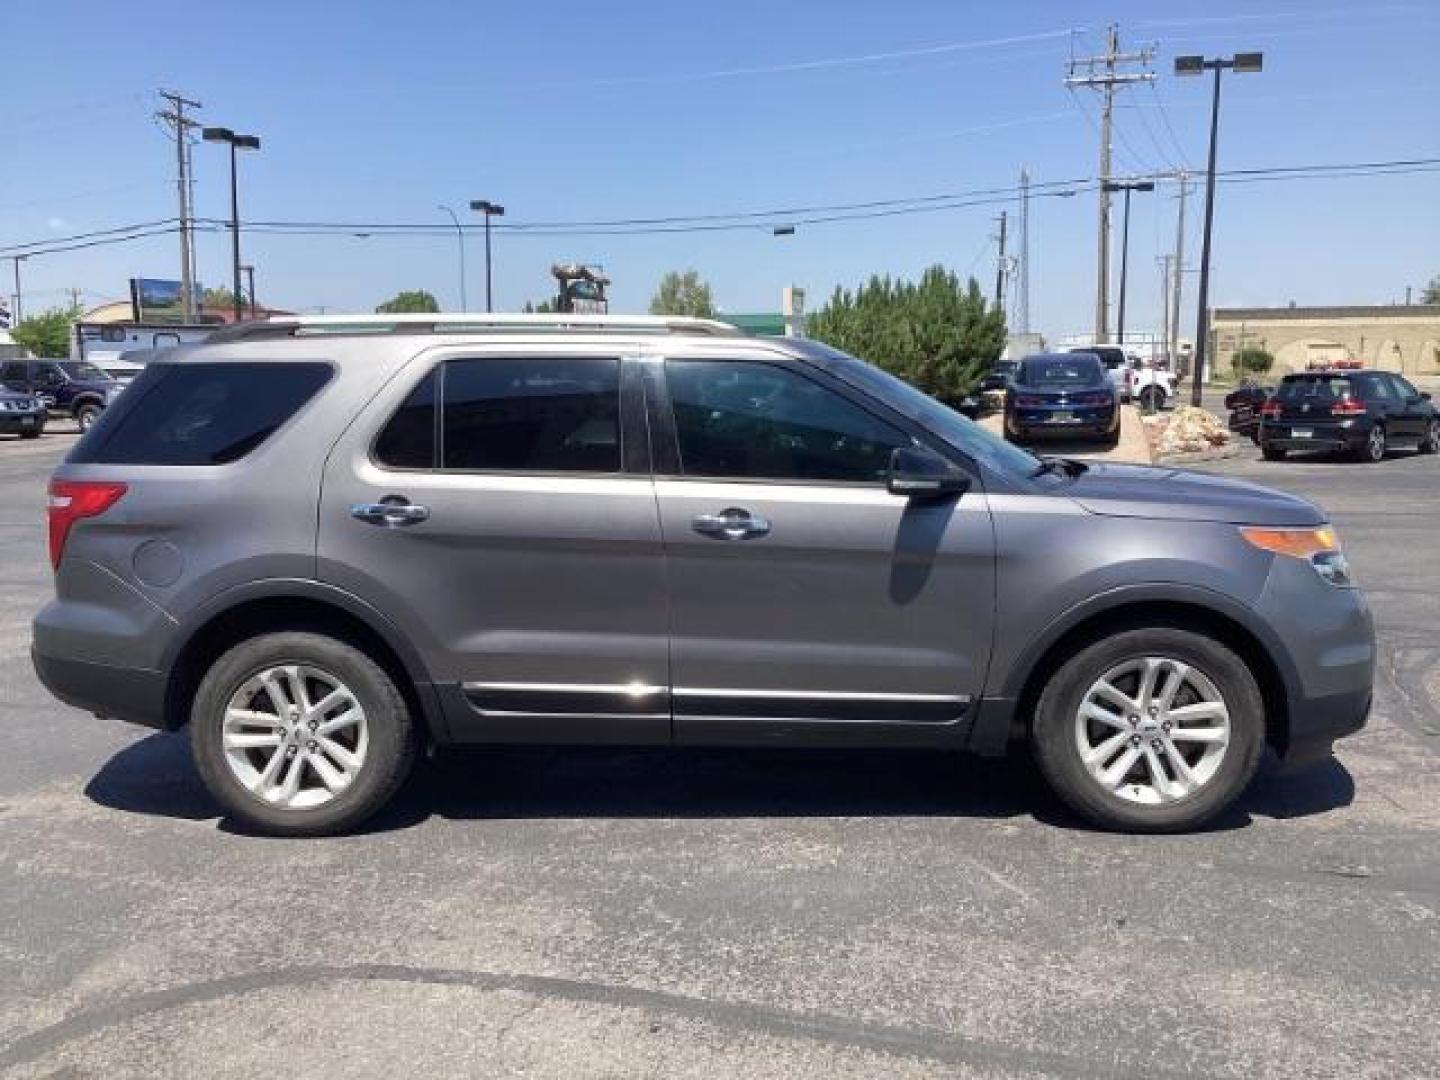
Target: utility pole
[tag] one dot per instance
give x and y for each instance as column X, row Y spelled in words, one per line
column 1165, row 261
column 1000, row 265
column 1104, row 73
column 1177, row 278
column 181, row 125
column 74, row 297
column 1022, row 297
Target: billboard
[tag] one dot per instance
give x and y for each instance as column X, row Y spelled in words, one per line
column 155, row 300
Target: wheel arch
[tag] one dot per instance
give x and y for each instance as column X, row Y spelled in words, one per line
column 266, row 607
column 1192, row 609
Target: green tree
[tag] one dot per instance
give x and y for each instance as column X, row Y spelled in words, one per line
column 683, row 294
column 218, row 299
column 47, row 334
column 936, row 334
column 412, row 300
column 1252, row 361
column 548, row 306
column 1431, row 295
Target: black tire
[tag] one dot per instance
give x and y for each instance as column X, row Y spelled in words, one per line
column 1152, row 399
column 1056, row 751
column 1110, row 439
column 86, row 415
column 34, row 433
column 392, row 734
column 1376, row 445
column 1431, row 443
column 1271, row 452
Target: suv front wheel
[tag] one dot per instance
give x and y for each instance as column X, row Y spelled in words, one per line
column 1150, row 730
column 298, row 734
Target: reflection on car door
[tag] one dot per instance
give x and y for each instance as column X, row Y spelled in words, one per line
column 505, row 519
column 805, row 598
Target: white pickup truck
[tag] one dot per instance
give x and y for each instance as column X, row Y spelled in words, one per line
column 1132, row 377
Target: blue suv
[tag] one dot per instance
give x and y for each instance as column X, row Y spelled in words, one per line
column 76, row 389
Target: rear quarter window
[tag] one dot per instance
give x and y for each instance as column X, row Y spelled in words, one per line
column 199, row 413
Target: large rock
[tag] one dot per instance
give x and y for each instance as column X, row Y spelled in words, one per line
column 1191, row 430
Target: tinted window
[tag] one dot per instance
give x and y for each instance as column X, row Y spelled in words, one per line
column 1079, row 369
column 198, row 413
column 408, row 440
column 13, row 372
column 759, row 421
column 1304, row 387
column 84, row 371
column 1374, row 388
column 547, row 415
column 1403, row 387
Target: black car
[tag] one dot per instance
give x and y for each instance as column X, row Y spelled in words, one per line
column 76, row 389
column 1362, row 413
column 1245, row 403
column 999, row 376
column 21, row 414
column 1067, row 394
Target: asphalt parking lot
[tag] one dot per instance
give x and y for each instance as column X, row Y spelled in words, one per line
column 622, row 913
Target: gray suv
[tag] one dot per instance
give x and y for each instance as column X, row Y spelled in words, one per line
column 326, row 545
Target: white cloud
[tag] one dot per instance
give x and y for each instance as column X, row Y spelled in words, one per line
column 57, row 223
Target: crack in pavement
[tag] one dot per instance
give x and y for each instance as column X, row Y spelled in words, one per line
column 926, row 1044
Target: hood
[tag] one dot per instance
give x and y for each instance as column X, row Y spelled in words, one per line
column 1144, row 491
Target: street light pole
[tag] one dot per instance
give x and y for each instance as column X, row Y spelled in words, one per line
column 250, row 284
column 490, row 210
column 18, row 313
column 1127, row 188
column 237, row 142
column 1194, row 65
column 460, row 243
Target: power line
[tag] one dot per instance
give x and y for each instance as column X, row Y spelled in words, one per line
column 822, row 214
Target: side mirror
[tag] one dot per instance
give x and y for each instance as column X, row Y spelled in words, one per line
column 920, row 473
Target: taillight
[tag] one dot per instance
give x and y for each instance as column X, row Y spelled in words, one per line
column 1270, row 410
column 71, row 500
column 1348, row 407
column 1093, row 399
column 1026, row 402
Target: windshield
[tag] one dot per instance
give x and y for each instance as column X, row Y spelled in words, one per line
column 965, row 435
column 83, row 371
column 1079, row 370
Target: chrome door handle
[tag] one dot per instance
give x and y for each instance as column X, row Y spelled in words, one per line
column 391, row 512
column 731, row 524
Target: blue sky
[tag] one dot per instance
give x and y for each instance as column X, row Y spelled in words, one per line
column 379, row 112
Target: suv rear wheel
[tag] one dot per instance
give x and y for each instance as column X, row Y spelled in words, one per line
column 1152, row 399
column 86, row 415
column 1431, row 443
column 1150, row 730
column 1375, row 446
column 298, row 734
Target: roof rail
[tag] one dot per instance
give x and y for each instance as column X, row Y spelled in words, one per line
column 467, row 323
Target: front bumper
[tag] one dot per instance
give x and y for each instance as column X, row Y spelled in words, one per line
column 1328, row 636
column 16, row 423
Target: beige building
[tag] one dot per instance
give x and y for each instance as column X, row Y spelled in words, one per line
column 1401, row 338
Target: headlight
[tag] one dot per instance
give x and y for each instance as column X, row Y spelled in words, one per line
column 1318, row 547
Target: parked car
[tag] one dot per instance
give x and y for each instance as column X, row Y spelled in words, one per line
column 21, row 414
column 1363, row 413
column 1133, row 379
column 75, row 389
column 1067, row 394
column 997, row 379
column 1245, row 403
column 416, row 532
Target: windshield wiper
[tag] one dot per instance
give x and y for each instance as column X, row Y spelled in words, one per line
column 1069, row 466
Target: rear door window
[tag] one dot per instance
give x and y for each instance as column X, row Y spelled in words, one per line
column 199, row 413
column 546, row 414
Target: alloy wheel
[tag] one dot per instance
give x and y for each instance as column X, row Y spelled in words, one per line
column 1152, row 730
column 1375, row 444
column 294, row 736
